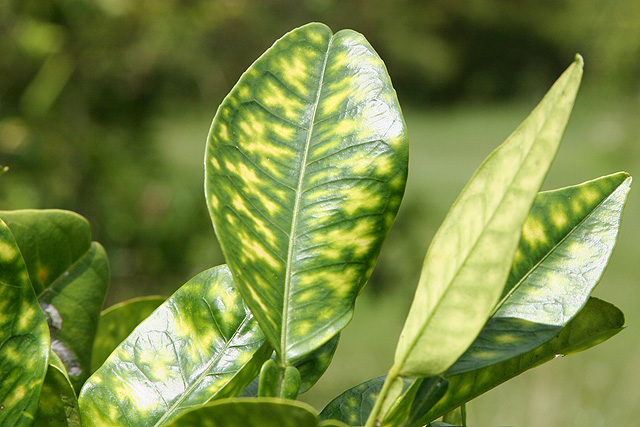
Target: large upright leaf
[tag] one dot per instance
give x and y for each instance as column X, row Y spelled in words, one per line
column 306, row 165
column 24, row 337
column 567, row 241
column 202, row 343
column 469, row 259
column 70, row 275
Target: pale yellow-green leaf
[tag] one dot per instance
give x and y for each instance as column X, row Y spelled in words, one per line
column 468, row 262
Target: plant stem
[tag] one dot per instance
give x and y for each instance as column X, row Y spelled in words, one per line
column 375, row 418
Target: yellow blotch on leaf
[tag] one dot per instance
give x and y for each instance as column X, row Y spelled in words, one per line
column 534, row 232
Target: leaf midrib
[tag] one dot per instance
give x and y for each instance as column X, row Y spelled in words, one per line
column 296, row 212
column 189, row 390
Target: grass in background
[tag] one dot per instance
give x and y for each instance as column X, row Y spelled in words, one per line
column 596, row 388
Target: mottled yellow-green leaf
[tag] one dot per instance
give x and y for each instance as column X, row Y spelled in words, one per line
column 24, row 337
column 250, row 412
column 567, row 241
column 469, row 259
column 117, row 322
column 306, row 165
column 201, row 344
column 71, row 276
column 594, row 324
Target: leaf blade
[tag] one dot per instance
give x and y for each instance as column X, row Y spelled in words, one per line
column 479, row 237
column 202, row 343
column 306, row 165
column 568, row 239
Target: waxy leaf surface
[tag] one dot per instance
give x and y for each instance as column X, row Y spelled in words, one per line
column 566, row 244
column 117, row 322
column 256, row 412
column 70, row 275
column 202, row 343
column 24, row 337
column 469, row 259
column 306, row 166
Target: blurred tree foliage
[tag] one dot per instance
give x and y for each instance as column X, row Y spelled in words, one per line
column 81, row 81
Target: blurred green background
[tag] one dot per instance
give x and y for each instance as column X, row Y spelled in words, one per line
column 105, row 106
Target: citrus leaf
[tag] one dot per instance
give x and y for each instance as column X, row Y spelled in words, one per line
column 567, row 241
column 250, row 412
column 306, row 166
column 58, row 405
column 469, row 259
column 200, row 344
column 594, row 324
column 313, row 365
column 117, row 322
column 70, row 274
column 24, row 337
column 50, row 241
column 354, row 405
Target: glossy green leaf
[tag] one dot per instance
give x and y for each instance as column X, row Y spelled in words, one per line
column 306, row 166
column 50, row 241
column 202, row 343
column 117, row 322
column 252, row 412
column 354, row 405
column 24, row 337
column 567, row 241
column 594, row 324
column 469, row 259
column 70, row 274
column 58, row 405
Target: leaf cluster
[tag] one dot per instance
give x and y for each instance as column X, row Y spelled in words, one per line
column 305, row 169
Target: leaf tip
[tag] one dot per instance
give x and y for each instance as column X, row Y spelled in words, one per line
column 579, row 60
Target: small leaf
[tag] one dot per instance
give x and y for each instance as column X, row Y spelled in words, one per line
column 202, row 343
column 290, row 383
column 71, row 276
column 567, row 242
column 250, row 412
column 58, row 405
column 594, row 324
column 354, row 405
column 268, row 379
column 24, row 337
column 306, row 166
column 117, row 322
column 469, row 259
